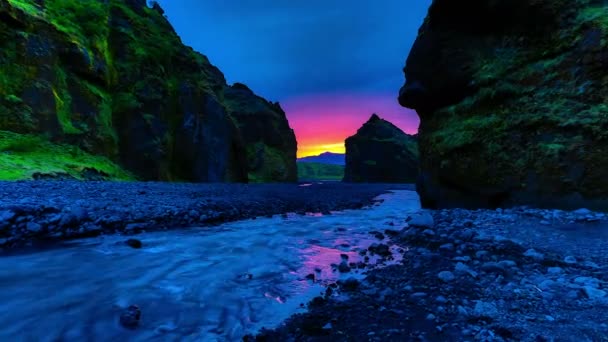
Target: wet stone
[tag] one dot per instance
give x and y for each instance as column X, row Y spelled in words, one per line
column 33, row 227
column 135, row 243
column 343, row 267
column 130, row 317
column 380, row 249
column 446, row 276
column 422, row 220
column 349, row 284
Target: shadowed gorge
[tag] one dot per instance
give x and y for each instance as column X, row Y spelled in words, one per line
column 519, row 116
column 113, row 80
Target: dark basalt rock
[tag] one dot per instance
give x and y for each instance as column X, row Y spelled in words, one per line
column 381, row 152
column 270, row 143
column 118, row 82
column 130, row 317
column 134, row 243
column 519, row 116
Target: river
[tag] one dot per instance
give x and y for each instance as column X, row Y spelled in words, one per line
column 197, row 284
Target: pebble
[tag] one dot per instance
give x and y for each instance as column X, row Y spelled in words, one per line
column 534, row 254
column 135, row 243
column 589, row 281
column 349, row 284
column 507, row 263
column 593, row 293
column 447, row 247
column 430, row 317
column 428, row 232
column 130, row 317
column 422, row 220
column 485, row 309
column 591, row 264
column 547, row 284
column 33, row 227
column 135, row 226
column 554, row 270
column 446, row 276
column 582, row 211
column 441, row 300
column 418, row 294
column 480, row 254
column 492, row 267
column 570, row 260
column 343, row 267
column 464, row 269
column 6, row 215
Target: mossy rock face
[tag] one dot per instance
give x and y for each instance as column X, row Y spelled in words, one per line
column 381, row 153
column 519, row 116
column 113, row 79
column 271, row 143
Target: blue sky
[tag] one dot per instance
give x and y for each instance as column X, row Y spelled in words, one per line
column 290, row 48
column 330, row 63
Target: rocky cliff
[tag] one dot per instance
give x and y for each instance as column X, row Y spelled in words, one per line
column 112, row 81
column 381, row 153
column 512, row 101
column 270, row 143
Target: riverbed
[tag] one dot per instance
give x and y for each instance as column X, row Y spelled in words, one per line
column 197, row 284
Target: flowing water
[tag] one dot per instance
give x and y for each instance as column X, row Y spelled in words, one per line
column 198, row 284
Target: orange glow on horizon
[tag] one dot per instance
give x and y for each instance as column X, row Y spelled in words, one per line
column 315, row 150
column 323, row 122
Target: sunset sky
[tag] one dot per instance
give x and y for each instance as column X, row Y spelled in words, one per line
column 330, row 63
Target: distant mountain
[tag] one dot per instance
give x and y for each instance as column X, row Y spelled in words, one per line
column 325, row 158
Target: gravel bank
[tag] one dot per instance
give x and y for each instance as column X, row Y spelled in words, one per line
column 42, row 211
column 506, row 275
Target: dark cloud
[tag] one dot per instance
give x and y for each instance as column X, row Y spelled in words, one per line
column 283, row 49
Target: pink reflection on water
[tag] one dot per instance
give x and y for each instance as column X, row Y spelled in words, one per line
column 314, row 214
column 318, row 260
column 277, row 298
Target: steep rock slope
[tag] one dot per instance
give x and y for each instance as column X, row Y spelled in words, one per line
column 112, row 79
column 271, row 145
column 381, row 152
column 513, row 105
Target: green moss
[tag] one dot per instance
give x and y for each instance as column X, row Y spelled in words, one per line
column 104, row 117
column 318, row 171
column 597, row 15
column 23, row 155
column 27, row 6
column 551, row 149
column 151, row 43
column 13, row 99
column 491, row 67
column 268, row 164
column 85, row 22
column 63, row 102
column 125, row 102
column 13, row 75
